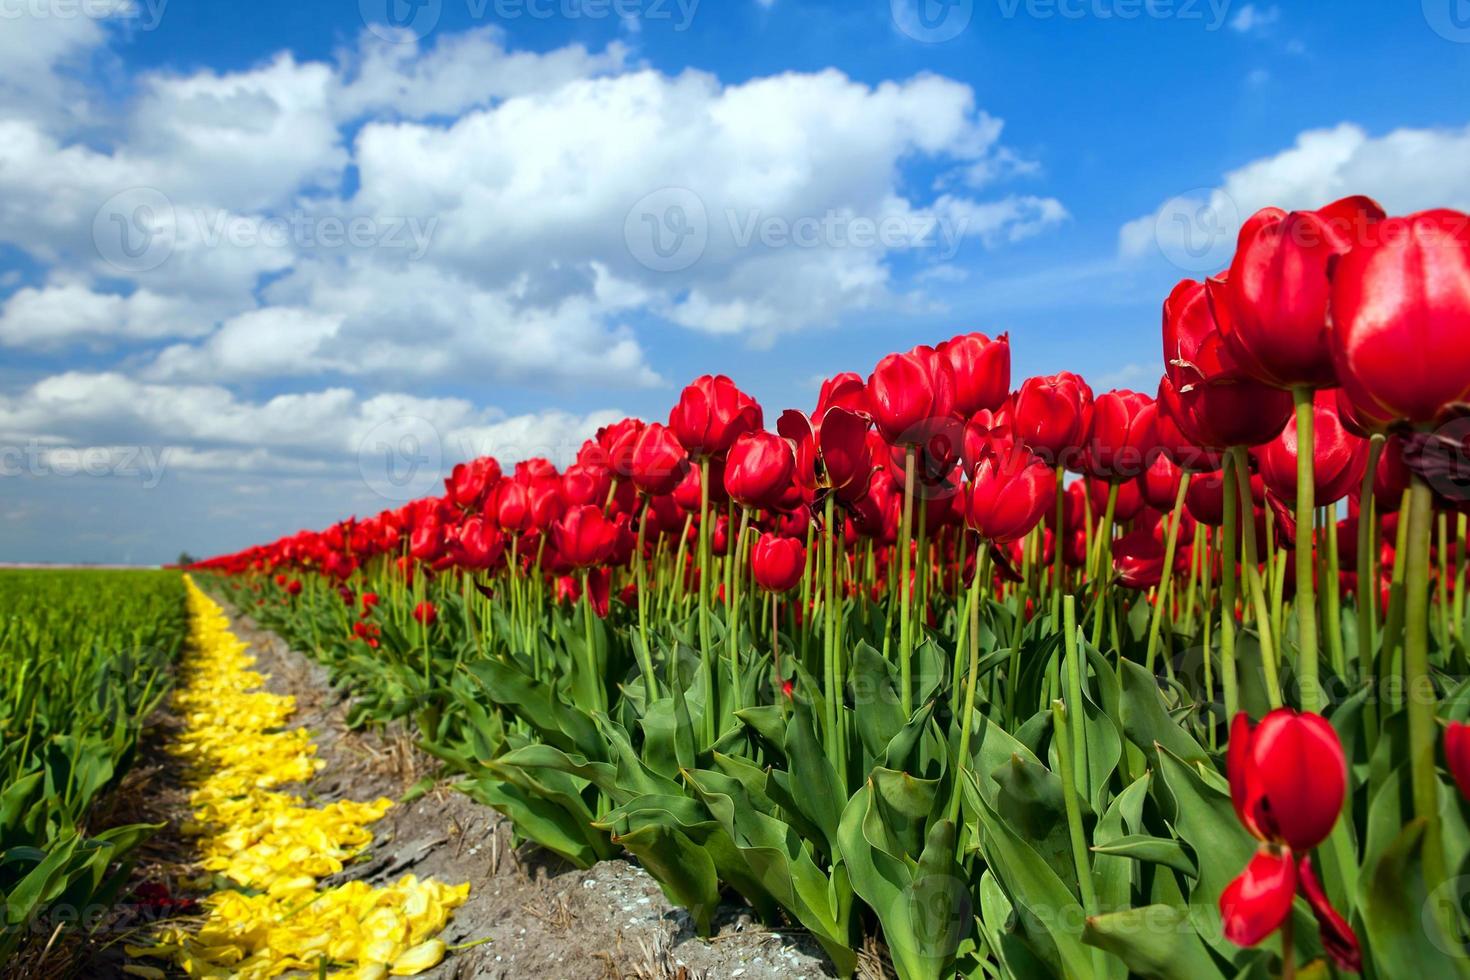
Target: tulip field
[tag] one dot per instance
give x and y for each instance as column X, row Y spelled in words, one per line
column 1022, row 680
column 955, row 673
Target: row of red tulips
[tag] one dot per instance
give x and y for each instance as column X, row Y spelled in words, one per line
column 925, row 516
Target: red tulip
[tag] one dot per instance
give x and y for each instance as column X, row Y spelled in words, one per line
column 1130, row 500
column 425, row 613
column 586, row 483
column 1401, row 317
column 1138, row 557
column 584, row 536
column 1124, row 437
column 846, row 391
column 711, row 414
column 546, row 501
column 1215, row 404
column 617, row 442
column 1275, row 314
column 1338, row 456
column 981, row 368
column 1009, row 492
column 759, row 469
column 659, row 460
column 1457, row 755
column 1182, row 449
column 467, row 482
column 1205, row 498
column 1159, row 484
column 1288, row 777
column 1053, row 416
column 478, row 544
column 512, row 507
column 778, row 562
column 831, row 454
column 908, row 394
column 293, row 587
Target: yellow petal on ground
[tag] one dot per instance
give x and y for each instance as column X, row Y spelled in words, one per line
column 424, row 956
column 273, row 846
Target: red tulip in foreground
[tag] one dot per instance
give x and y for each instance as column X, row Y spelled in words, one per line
column 1401, row 317
column 1288, row 779
column 1275, row 315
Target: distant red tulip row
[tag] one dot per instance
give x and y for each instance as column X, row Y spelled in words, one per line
column 1330, row 362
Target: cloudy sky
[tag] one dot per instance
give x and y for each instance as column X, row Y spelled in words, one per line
column 263, row 265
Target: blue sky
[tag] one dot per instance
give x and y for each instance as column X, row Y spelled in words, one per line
column 252, row 254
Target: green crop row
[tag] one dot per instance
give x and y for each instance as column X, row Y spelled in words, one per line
column 84, row 659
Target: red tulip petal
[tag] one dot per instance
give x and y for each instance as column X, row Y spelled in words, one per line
column 1258, row 901
column 1457, row 755
column 1338, row 938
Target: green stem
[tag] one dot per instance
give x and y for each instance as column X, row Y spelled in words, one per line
column 1104, row 566
column 1056, row 564
column 1059, row 713
column 1306, row 599
column 1253, row 577
column 905, row 626
column 706, row 572
column 1229, row 538
column 1418, row 686
column 645, row 653
column 1161, row 600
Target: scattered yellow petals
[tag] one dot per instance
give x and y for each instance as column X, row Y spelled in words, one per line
column 273, row 847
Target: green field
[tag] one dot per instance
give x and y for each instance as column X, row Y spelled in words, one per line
column 85, row 657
